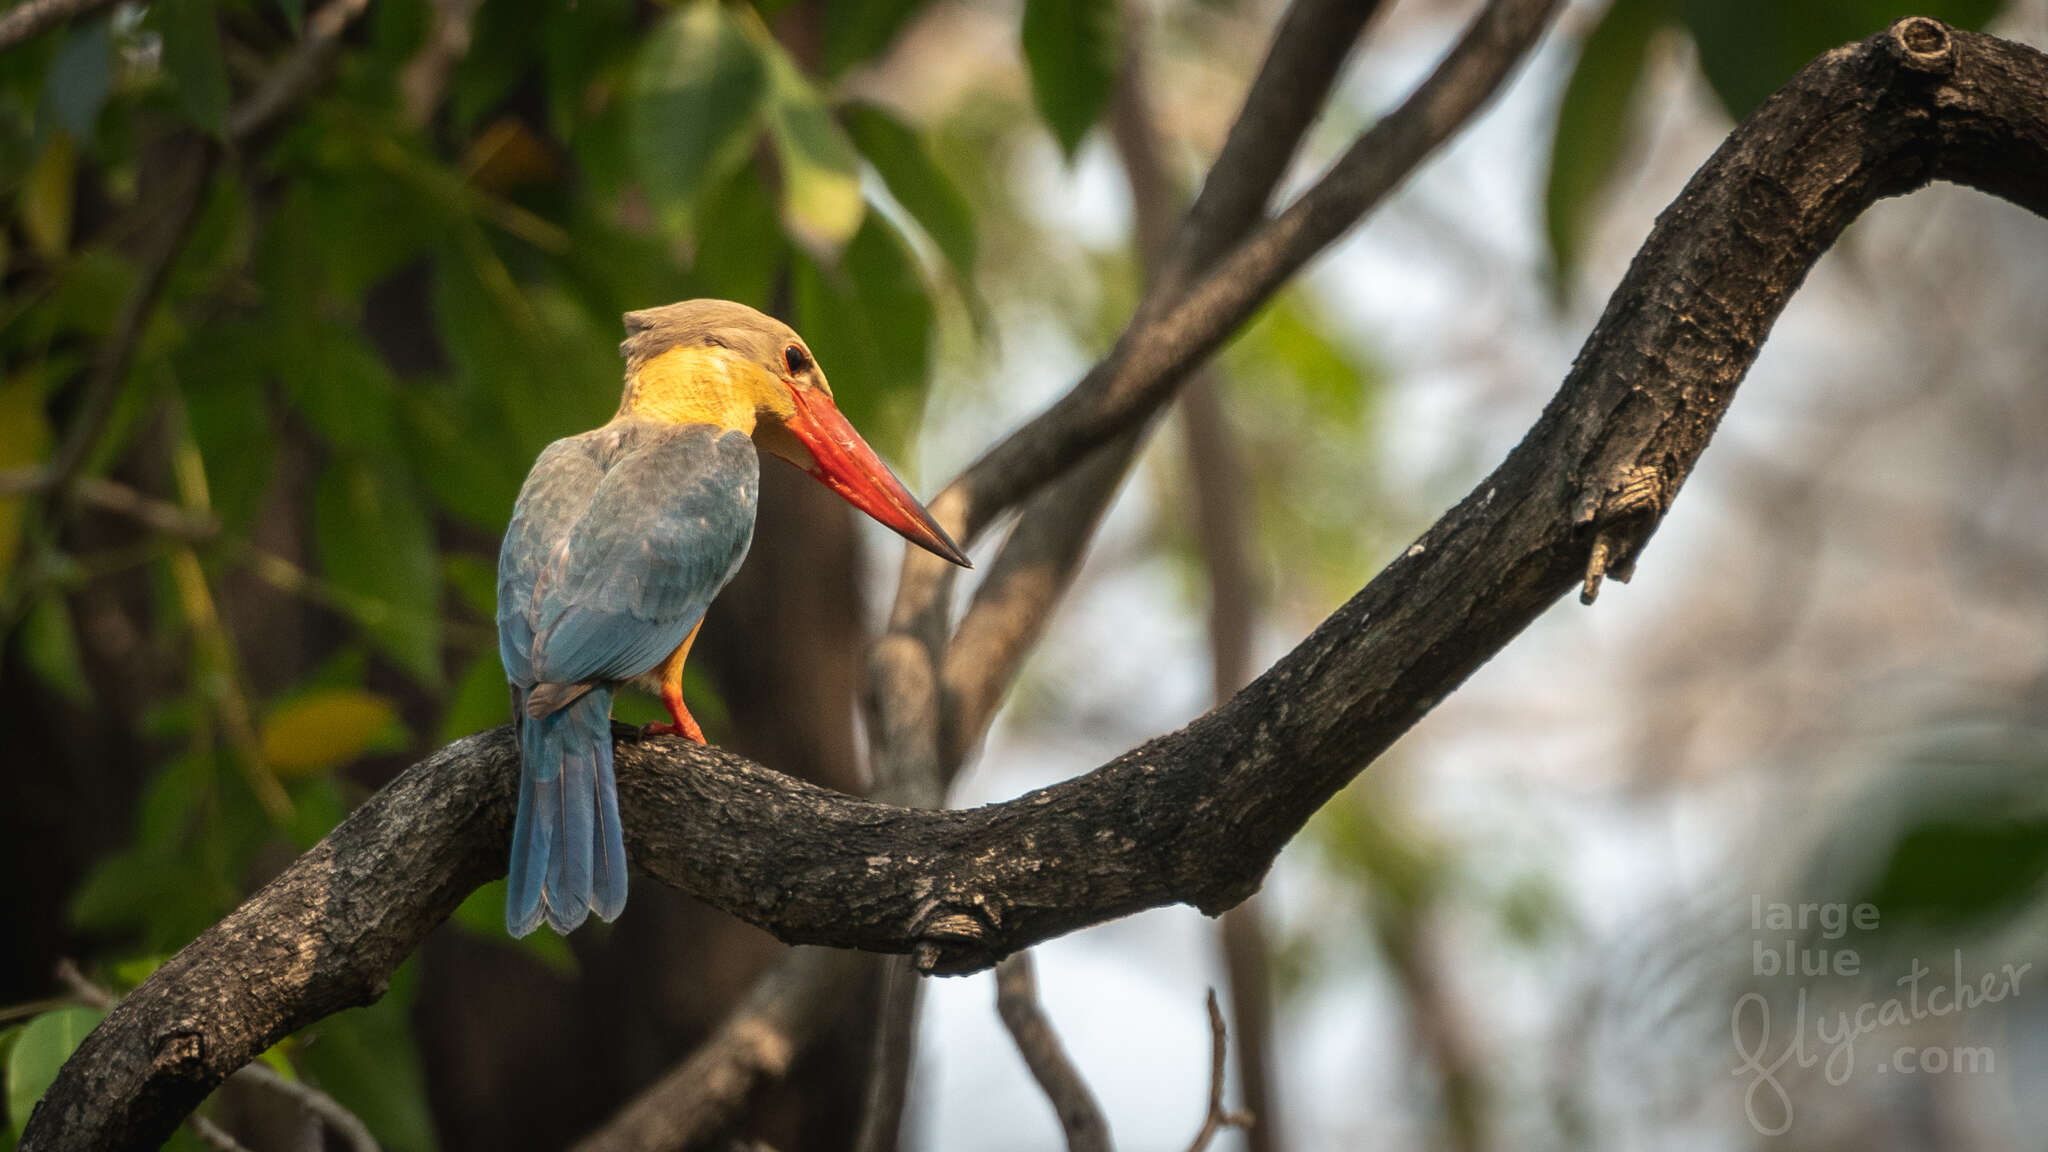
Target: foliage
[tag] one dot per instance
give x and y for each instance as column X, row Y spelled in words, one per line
column 381, row 312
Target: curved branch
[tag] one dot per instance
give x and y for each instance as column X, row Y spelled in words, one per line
column 1017, row 1003
column 27, row 20
column 1194, row 816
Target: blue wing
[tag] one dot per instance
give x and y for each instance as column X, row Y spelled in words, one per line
column 615, row 552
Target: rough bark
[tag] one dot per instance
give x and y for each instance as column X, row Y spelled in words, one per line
column 1193, row 816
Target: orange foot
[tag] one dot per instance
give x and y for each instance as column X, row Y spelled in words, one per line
column 684, row 724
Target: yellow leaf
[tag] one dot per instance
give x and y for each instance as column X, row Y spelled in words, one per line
column 46, row 196
column 24, row 442
column 325, row 729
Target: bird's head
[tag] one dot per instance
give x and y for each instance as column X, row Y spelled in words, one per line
column 720, row 363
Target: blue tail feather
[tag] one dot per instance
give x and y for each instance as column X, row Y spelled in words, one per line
column 568, row 853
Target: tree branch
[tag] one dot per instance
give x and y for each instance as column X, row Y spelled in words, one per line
column 708, row 1094
column 1017, row 1003
column 1194, row 816
column 1217, row 1118
column 1149, row 360
column 31, row 18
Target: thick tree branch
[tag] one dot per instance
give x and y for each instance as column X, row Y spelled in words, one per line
column 1194, row 816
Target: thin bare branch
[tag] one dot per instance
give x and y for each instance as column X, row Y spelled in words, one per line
column 110, row 369
column 1311, row 44
column 299, row 74
column 31, row 18
column 1017, row 1003
column 1217, row 1118
column 702, row 1099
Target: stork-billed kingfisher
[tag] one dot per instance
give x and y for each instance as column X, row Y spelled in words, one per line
column 619, row 540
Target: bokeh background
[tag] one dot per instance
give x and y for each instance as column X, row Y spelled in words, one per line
column 245, row 570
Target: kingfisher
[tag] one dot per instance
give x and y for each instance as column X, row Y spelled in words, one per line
column 619, row 540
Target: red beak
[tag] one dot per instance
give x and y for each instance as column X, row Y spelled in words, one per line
column 845, row 463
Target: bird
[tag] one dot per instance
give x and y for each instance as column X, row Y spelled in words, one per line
column 620, row 538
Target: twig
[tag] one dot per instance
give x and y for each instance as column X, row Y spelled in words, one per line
column 1251, row 1005
column 31, row 18
column 327, row 1109
column 300, row 73
column 1194, row 816
column 110, row 496
column 1217, row 1118
column 213, row 1135
column 1017, row 1003
column 110, row 369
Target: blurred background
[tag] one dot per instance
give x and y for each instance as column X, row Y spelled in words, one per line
column 291, row 296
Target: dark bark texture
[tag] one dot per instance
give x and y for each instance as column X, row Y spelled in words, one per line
column 1194, row 816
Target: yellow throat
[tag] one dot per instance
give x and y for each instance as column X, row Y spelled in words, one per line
column 705, row 385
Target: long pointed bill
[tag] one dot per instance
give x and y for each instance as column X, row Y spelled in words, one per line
column 845, row 463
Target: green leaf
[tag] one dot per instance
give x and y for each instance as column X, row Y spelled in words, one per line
column 343, row 388
column 1070, row 48
column 1593, row 121
column 1969, row 868
column 500, row 53
column 869, row 320
column 39, row 1051
column 580, row 43
column 318, row 804
column 740, row 245
column 294, row 15
column 694, row 109
column 480, row 700
column 855, row 32
column 45, row 202
column 1750, row 48
column 822, row 204
column 130, row 973
column 227, row 409
column 79, row 78
column 375, row 542
column 927, row 193
column 192, row 58
column 319, row 731
column 474, row 580
column 467, row 469
column 25, row 438
column 50, row 647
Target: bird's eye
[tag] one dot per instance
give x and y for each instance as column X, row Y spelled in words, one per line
column 796, row 358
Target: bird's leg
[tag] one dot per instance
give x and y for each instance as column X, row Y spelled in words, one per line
column 684, row 724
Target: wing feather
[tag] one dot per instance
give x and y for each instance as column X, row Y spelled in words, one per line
column 664, row 523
